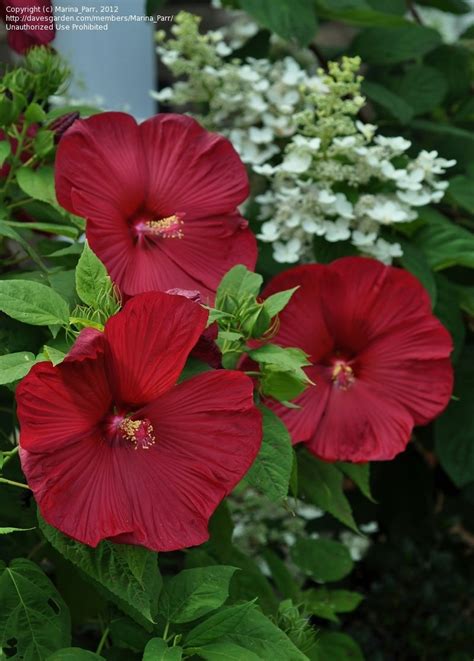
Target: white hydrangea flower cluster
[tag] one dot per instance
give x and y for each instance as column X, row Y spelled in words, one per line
column 324, row 173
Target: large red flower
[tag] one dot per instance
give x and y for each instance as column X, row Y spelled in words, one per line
column 160, row 199
column 380, row 359
column 29, row 23
column 114, row 449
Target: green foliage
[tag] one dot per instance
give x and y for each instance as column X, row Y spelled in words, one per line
column 157, row 650
column 391, row 45
column 33, row 303
column 322, row 559
column 15, row 366
column 289, row 19
column 33, row 613
column 129, row 574
column 194, row 592
column 271, row 471
column 326, row 603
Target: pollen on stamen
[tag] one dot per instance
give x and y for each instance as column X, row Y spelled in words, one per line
column 139, row 432
column 342, row 375
column 168, row 228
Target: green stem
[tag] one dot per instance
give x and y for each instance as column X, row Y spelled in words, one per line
column 102, row 641
column 166, row 631
column 20, row 203
column 8, row 455
column 13, row 483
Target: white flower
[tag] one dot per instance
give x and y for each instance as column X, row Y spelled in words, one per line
column 296, row 161
column 361, row 239
column 345, row 143
column 388, row 212
column 367, row 130
column 326, row 197
column 337, row 230
column 384, row 251
column 223, row 49
column 266, row 170
column 416, row 198
column 248, row 74
column 287, row 253
column 313, row 226
column 342, row 206
column 397, row 144
column 260, row 135
column 269, row 232
column 292, row 73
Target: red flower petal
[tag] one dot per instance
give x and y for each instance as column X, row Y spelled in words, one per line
column 89, row 343
column 148, row 343
column 98, row 159
column 208, row 432
column 193, row 171
column 37, row 30
column 62, row 403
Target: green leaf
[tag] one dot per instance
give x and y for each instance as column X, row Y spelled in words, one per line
column 271, row 471
column 195, row 592
column 461, row 189
column 455, row 65
column 74, row 654
column 359, row 474
column 291, row 359
column 451, row 6
column 359, row 12
column 322, row 559
column 327, row 251
column 414, row 260
column 321, row 483
column 52, row 228
column 290, row 19
column 444, row 243
column 448, row 312
column 32, row 613
column 5, row 151
column 38, row 184
column 391, row 45
column 423, row 88
column 388, row 100
column 276, row 302
column 236, row 286
column 128, row 573
column 226, row 651
column 32, row 303
column 334, row 646
column 11, row 233
column 157, row 650
column 34, row 114
column 246, row 626
column 91, row 278
column 54, row 355
column 454, row 430
column 281, row 385
column 15, row 366
column 8, row 531
column 327, row 603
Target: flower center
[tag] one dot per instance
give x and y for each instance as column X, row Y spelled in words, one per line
column 342, row 374
column 138, row 432
column 169, row 227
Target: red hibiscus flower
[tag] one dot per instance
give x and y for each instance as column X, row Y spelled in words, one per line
column 113, row 448
column 34, row 18
column 160, row 200
column 380, row 359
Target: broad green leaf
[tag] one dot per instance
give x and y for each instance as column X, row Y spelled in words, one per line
column 54, row 355
column 11, row 233
column 226, row 651
column 451, row 6
column 391, row 45
column 422, row 88
column 414, row 260
column 327, row 603
column 246, row 626
column 322, row 559
column 52, row 228
column 293, row 20
column 32, row 303
column 5, row 151
column 34, row 114
column 237, row 286
column 195, row 592
column 444, row 243
column 74, row 654
column 91, row 277
column 281, row 385
column 128, row 573
column 388, row 100
column 360, row 12
column 32, row 612
column 359, row 474
column 461, row 189
column 14, row 366
column 335, row 646
column 271, row 471
column 276, row 302
column 448, row 312
column 287, row 585
column 157, row 650
column 455, row 64
column 8, row 531
column 454, row 430
column 326, row 251
column 321, row 483
column 285, row 358
column 38, row 184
